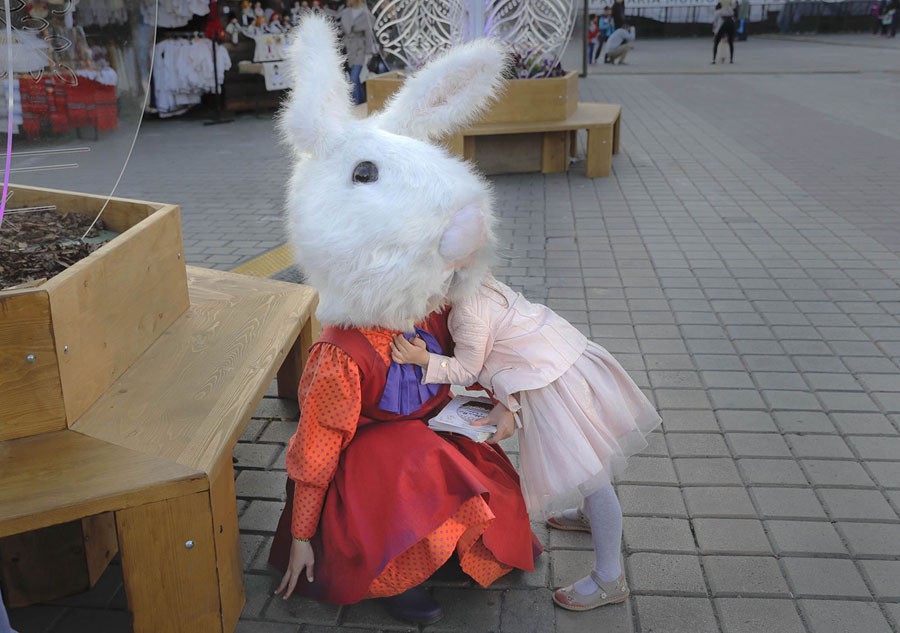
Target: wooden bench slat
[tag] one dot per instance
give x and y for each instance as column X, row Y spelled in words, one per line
column 586, row 115
column 63, row 476
column 188, row 397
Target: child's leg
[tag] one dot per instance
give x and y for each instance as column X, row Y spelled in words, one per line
column 603, row 511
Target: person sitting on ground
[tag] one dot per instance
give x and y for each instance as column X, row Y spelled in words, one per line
column 619, row 43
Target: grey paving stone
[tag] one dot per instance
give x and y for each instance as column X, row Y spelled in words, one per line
column 254, row 428
column 688, row 420
column 566, row 539
column 661, row 614
column 739, row 536
column 706, row 471
column 753, row 615
column 888, row 401
column 884, row 575
column 697, row 445
column 758, row 421
column 745, row 576
column 791, row 400
column 832, row 382
column 681, row 399
column 648, row 470
column 610, row 619
column 657, row 534
column 527, row 611
column 830, row 472
column 656, row 445
column 870, row 539
column 805, row 537
column 651, row 501
column 255, row 455
column 475, row 610
column 720, row 501
column 371, row 616
column 261, row 516
column 847, row 401
column 91, row 620
column 843, row 616
column 824, row 577
column 278, row 409
column 771, row 471
column 780, row 380
column 279, row 431
column 863, row 424
column 830, row 446
column 651, row 573
column 757, row 445
column 887, row 474
column 260, row 484
column 736, row 399
column 727, row 379
column 876, row 447
column 37, row 618
column 803, row 422
column 253, row 626
column 787, row 503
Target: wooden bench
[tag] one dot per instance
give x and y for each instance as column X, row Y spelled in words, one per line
column 154, row 452
column 601, row 120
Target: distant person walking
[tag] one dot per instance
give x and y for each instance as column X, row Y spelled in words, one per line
column 618, row 13
column 743, row 20
column 723, row 27
column 619, row 43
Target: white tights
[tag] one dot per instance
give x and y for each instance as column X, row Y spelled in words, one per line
column 604, row 513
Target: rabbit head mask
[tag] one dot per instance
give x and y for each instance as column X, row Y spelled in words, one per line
column 386, row 225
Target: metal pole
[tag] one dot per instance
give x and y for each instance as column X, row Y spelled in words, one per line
column 584, row 42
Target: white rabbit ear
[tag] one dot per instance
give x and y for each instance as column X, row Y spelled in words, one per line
column 318, row 106
column 448, row 92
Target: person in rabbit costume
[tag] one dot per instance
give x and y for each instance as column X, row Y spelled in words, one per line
column 389, row 228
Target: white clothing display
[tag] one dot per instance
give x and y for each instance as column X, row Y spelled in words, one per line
column 183, row 72
column 172, row 14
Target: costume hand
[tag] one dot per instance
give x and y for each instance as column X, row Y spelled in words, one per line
column 402, row 351
column 503, row 419
column 302, row 557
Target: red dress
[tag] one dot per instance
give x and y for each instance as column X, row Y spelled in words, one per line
column 385, row 499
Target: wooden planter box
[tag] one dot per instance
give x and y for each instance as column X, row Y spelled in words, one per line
column 64, row 342
column 523, row 100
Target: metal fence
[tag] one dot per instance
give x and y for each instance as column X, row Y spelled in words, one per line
column 765, row 17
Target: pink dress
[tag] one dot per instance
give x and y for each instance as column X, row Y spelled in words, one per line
column 580, row 415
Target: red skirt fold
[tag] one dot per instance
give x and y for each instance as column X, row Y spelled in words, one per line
column 395, row 484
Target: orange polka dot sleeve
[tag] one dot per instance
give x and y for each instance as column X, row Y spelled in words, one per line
column 330, row 403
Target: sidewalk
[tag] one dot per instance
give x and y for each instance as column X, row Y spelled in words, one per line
column 742, row 262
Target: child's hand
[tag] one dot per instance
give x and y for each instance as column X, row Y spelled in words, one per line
column 302, row 557
column 503, row 419
column 406, row 352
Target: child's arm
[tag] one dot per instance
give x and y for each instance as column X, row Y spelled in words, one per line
column 472, row 339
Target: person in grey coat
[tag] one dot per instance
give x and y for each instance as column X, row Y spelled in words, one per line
column 359, row 37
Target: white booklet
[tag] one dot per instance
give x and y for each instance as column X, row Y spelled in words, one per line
column 457, row 417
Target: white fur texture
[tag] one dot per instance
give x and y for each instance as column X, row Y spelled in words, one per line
column 448, row 93
column 373, row 249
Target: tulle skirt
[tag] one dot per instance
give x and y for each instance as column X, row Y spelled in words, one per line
column 578, row 432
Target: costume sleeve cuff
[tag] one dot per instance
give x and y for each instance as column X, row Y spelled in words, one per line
column 437, row 370
column 307, row 511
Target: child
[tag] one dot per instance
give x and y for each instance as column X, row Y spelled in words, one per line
column 580, row 416
column 593, row 37
column 607, row 26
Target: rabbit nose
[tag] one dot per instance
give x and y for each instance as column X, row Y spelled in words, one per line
column 464, row 236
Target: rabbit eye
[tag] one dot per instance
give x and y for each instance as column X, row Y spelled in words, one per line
column 365, row 172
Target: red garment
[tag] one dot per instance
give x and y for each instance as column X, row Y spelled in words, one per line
column 390, row 484
column 214, row 29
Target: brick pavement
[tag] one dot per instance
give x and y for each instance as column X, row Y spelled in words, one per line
column 742, row 262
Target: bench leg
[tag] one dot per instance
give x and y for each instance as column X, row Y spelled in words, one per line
column 171, row 588
column 295, row 361
column 599, row 151
column 456, row 145
column 573, row 143
column 616, row 135
column 469, row 148
column 554, row 154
